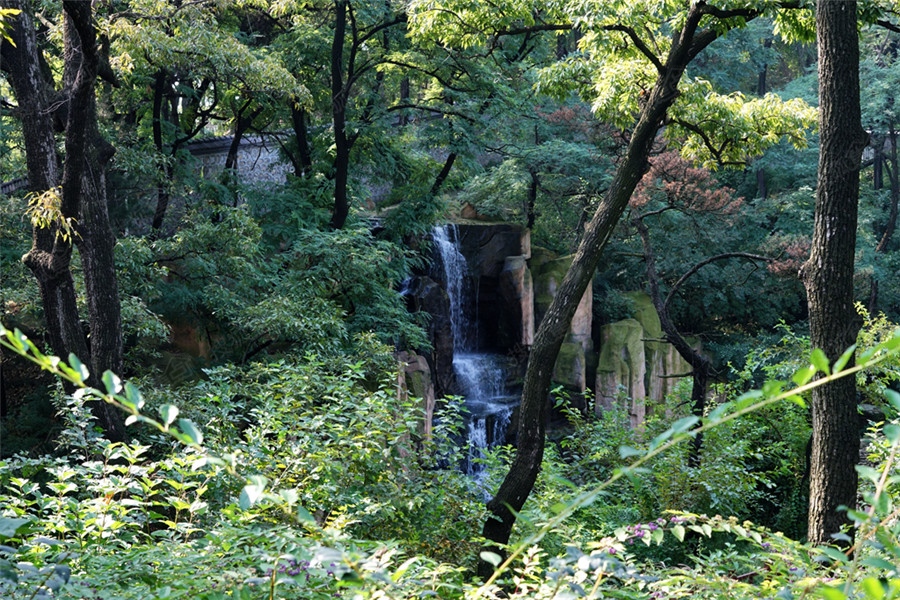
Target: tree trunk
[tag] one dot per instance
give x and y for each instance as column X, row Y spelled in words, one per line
column 444, row 173
column 519, row 481
column 339, row 99
column 162, row 188
column 82, row 197
column 303, row 162
column 50, row 254
column 828, row 274
column 700, row 364
column 84, row 186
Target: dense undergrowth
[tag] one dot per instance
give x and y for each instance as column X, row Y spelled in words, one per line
column 305, row 478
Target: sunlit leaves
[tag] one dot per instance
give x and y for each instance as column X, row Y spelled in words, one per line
column 730, row 129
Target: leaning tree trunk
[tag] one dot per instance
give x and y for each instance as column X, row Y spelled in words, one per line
column 828, row 274
column 533, row 411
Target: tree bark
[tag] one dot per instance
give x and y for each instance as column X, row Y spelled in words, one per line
column 303, row 162
column 443, row 174
column 82, row 197
column 339, row 99
column 523, row 471
column 828, row 274
column 700, row 364
column 50, row 254
column 84, row 186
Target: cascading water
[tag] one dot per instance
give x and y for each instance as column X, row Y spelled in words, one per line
column 481, row 376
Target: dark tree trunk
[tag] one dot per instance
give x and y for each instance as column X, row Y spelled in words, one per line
column 532, row 199
column 50, row 254
column 828, row 274
column 162, row 188
column 445, row 172
column 242, row 124
column 84, row 186
column 877, row 162
column 700, row 364
column 81, row 188
column 404, row 99
column 339, row 99
column 303, row 162
column 519, row 481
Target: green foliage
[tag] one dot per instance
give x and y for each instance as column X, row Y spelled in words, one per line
column 329, row 454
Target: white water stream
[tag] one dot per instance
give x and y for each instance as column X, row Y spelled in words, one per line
column 481, row 376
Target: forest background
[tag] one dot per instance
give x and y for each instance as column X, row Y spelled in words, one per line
column 290, row 467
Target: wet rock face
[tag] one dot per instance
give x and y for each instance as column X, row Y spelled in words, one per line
column 428, row 296
column 499, row 310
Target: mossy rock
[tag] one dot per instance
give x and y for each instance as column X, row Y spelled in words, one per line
column 623, row 342
column 646, row 314
column 569, row 369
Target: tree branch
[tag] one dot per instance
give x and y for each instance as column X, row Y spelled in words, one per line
column 640, row 45
column 710, row 260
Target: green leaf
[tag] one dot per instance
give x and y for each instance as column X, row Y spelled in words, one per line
column 797, row 400
column 252, row 492
column 833, row 553
column 684, row 424
column 191, row 430
column 832, row 593
column 844, row 358
column 892, row 433
column 10, row 526
column 893, row 398
column 112, row 382
column 868, row 472
column 678, row 532
column 657, row 536
column 168, row 413
column 804, row 375
column 873, row 588
column 878, row 563
column 491, row 557
column 81, row 371
column 628, row 451
column 304, row 516
column 819, row 361
column 133, row 395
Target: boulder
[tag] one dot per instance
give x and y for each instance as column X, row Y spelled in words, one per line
column 428, row 296
column 487, row 245
column 548, row 273
column 637, row 361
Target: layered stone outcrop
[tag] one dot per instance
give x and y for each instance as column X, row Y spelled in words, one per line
column 571, row 365
column 636, row 365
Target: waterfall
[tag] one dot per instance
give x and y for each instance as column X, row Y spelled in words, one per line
column 481, row 376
